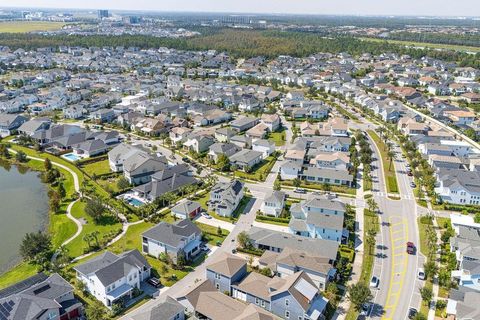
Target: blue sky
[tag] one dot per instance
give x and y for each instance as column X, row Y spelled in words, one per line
column 345, row 7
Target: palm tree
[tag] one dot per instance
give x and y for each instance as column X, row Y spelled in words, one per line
column 88, row 238
column 95, row 235
column 391, row 156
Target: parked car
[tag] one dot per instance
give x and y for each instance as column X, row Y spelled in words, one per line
column 206, row 215
column 410, row 248
column 154, row 282
column 365, row 311
column 412, row 184
column 298, row 190
column 412, row 312
column 374, row 282
column 234, row 251
column 421, row 274
column 410, row 173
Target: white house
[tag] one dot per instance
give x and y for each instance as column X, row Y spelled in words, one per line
column 225, row 197
column 458, row 186
column 273, row 203
column 110, row 278
column 264, row 146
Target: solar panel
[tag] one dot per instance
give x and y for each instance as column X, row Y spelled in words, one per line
column 2, row 317
column 3, row 310
column 8, row 306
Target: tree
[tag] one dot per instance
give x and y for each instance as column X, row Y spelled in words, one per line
column 296, row 183
column 358, row 294
column 61, row 190
column 123, row 183
column 426, row 294
column 243, row 240
column 20, row 156
column 96, row 311
column 95, row 208
column 34, row 244
column 372, row 205
column 223, row 162
column 219, row 231
column 430, row 268
column 4, row 151
column 277, row 185
column 181, row 259
column 391, row 156
column 420, row 316
column 54, row 201
column 47, row 164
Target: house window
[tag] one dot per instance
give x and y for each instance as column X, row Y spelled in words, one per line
column 217, row 286
column 217, row 276
column 287, row 314
column 263, row 303
column 287, row 302
column 257, row 301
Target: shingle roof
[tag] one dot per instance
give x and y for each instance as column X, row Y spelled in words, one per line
column 227, row 264
column 172, row 234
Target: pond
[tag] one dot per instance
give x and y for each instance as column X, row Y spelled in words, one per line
column 23, row 209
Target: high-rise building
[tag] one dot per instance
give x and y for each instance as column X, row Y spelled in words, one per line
column 102, row 14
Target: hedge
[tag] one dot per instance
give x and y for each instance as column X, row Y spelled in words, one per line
column 275, row 219
column 253, row 251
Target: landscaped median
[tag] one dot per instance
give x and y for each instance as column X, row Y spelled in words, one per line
column 388, row 170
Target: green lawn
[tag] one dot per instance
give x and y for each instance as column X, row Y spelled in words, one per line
column 210, row 233
column 29, row 26
column 61, row 227
column 259, row 172
column 17, row 273
column 278, row 138
column 97, row 168
column 77, row 246
column 202, row 199
column 388, row 171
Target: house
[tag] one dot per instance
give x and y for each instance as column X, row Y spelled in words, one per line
column 111, row 278
column 336, row 127
column 272, row 121
column 290, row 170
column 444, row 162
column 225, row 197
column 246, row 159
column 103, row 116
column 260, row 131
column 318, row 217
column 187, row 209
column 284, row 264
column 463, row 304
column 179, row 134
column 9, row 123
column 242, row 141
column 169, row 309
column 166, row 180
column 468, row 274
column 295, row 96
column 224, row 134
column 90, row 148
column 460, row 117
column 327, row 176
column 273, row 203
column 266, row 147
column 227, row 149
column 243, row 123
column 181, row 238
column 297, row 156
column 139, row 167
column 198, row 142
column 118, row 155
column 73, row 112
column 225, row 271
column 328, row 160
column 275, row 241
column 29, row 127
column 292, row 297
column 40, row 297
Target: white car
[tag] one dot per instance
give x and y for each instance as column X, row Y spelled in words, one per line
column 366, row 307
column 421, row 274
column 374, row 282
column 206, row 215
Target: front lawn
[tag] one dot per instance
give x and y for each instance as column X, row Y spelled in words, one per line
column 278, row 137
column 259, row 172
column 210, row 233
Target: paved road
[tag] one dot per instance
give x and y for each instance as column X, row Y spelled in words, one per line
column 397, row 270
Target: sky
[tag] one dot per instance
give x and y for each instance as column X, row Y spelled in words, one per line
column 342, row 7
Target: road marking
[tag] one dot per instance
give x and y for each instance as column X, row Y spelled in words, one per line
column 396, row 278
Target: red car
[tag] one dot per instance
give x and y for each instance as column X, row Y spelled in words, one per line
column 410, row 248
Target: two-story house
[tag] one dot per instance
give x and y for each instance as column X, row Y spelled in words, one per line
column 110, row 277
column 183, row 237
column 273, row 203
column 225, row 197
column 226, row 271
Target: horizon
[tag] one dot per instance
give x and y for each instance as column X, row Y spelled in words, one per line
column 365, row 8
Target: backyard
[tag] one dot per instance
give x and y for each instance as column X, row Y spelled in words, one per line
column 259, row 172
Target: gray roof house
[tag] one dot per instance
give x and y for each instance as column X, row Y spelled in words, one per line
column 183, row 237
column 90, row 148
column 169, row 309
column 244, row 123
column 245, row 159
column 225, row 197
column 463, row 304
column 9, row 123
column 219, row 148
column 29, row 127
column 39, row 297
column 273, row 203
column 327, row 176
column 118, row 155
column 187, row 209
column 110, row 277
column 139, row 167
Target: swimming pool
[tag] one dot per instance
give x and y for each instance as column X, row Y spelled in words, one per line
column 71, row 157
column 135, row 202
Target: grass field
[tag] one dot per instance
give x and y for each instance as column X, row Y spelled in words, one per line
column 278, row 138
column 426, row 44
column 259, row 171
column 29, row 26
column 388, row 171
column 97, row 168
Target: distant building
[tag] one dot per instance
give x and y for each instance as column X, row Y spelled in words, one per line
column 102, row 14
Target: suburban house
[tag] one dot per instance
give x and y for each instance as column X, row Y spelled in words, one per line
column 179, row 134
column 270, row 240
column 458, row 186
column 140, row 167
column 169, row 309
column 118, row 155
column 284, row 264
column 40, row 297
column 264, row 146
column 198, row 142
column 187, row 209
column 318, row 217
column 90, row 148
column 273, row 203
column 103, row 115
column 328, row 160
column 243, row 124
column 246, row 159
column 183, row 237
column 29, row 127
column 290, row 170
column 226, row 271
column 272, row 121
column 463, row 304
column 227, row 149
column 460, row 117
column 224, row 134
column 225, row 197
column 292, row 297
column 9, row 123
column 260, row 131
column 111, row 278
column 168, row 179
column 327, row 176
